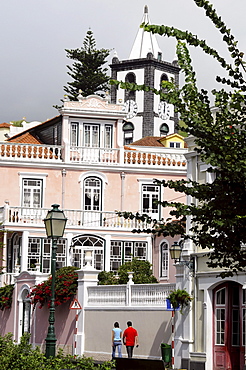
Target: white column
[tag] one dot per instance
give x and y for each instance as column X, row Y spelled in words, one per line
column 149, row 250
column 69, row 237
column 107, row 252
column 86, row 277
column 24, row 251
column 66, row 138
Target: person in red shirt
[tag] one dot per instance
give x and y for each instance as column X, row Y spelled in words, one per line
column 130, row 339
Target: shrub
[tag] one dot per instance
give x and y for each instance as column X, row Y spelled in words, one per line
column 141, row 269
column 6, row 293
column 179, row 298
column 66, row 283
column 23, row 357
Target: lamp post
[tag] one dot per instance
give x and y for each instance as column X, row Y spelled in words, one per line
column 175, row 252
column 55, row 222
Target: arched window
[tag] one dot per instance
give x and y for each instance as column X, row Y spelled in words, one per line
column 131, row 78
column 128, row 128
column 164, row 259
column 164, row 77
column 92, row 194
column 83, row 243
column 164, row 129
column 92, row 201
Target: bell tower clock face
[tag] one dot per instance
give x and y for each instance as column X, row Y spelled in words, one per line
column 130, row 108
column 164, row 110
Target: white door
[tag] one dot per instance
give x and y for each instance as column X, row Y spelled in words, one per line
column 91, row 143
column 92, row 202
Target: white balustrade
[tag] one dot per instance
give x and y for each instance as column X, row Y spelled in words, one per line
column 112, row 156
column 30, row 152
column 107, row 295
column 108, row 156
column 147, row 295
column 76, row 218
column 164, row 158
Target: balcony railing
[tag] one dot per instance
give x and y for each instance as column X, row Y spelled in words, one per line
column 120, row 156
column 76, row 218
column 165, row 158
column 30, row 152
column 147, row 295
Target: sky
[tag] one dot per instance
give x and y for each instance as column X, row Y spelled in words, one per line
column 35, row 33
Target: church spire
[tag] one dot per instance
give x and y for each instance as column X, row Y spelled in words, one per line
column 145, row 42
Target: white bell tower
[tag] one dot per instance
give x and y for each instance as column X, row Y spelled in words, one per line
column 146, row 114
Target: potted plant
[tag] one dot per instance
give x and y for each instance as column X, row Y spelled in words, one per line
column 179, row 298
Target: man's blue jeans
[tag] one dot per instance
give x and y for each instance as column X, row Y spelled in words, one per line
column 118, row 345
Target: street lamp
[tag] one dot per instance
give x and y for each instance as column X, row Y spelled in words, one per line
column 54, row 222
column 175, row 252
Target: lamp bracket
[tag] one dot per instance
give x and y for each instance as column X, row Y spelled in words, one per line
column 189, row 264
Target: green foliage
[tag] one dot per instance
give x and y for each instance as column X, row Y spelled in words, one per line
column 17, row 123
column 107, row 278
column 6, row 293
column 218, row 210
column 179, row 298
column 87, row 71
column 66, row 282
column 141, row 269
column 22, row 356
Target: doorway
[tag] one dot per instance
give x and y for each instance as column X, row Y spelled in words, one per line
column 229, row 324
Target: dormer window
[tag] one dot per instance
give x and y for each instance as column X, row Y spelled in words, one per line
column 174, row 144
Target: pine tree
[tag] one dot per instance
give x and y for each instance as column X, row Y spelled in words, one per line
column 87, row 71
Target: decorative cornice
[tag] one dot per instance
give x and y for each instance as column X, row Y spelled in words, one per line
column 93, row 103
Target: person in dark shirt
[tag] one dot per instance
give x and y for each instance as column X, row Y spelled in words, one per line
column 130, row 339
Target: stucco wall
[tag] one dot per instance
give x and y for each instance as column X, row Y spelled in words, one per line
column 153, row 326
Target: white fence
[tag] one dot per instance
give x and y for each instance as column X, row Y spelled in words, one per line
column 136, row 295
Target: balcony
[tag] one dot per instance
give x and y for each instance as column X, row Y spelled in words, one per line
column 23, row 216
column 164, row 158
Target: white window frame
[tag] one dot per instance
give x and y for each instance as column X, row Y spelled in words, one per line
column 32, row 176
column 79, row 248
column 74, row 134
column 103, row 179
column 108, row 129
column 149, row 182
column 175, row 144
column 161, row 254
column 122, row 257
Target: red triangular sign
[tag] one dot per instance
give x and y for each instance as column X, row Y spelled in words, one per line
column 75, row 305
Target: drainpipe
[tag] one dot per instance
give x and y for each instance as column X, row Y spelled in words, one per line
column 122, row 176
column 64, row 172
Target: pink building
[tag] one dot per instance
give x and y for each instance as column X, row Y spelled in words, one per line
column 93, row 159
column 78, row 160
